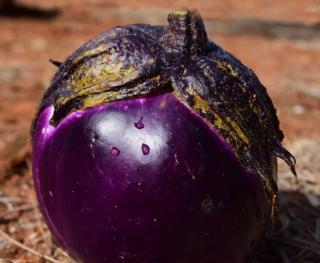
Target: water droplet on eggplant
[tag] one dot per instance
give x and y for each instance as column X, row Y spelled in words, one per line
column 115, row 151
column 145, row 149
column 139, row 124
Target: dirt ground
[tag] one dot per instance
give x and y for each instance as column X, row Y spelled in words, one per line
column 278, row 39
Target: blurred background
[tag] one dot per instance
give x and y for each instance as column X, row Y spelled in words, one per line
column 278, row 39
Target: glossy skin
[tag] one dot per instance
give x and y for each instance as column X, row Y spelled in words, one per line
column 145, row 181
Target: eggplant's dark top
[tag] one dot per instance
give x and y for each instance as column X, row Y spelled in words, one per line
column 139, row 60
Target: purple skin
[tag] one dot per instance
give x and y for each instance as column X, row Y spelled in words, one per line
column 145, row 181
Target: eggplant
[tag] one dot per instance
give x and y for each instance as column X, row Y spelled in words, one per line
column 153, row 144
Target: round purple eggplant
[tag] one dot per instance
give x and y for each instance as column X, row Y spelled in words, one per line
column 153, row 144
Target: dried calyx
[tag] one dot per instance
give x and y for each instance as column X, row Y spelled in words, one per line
column 140, row 60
